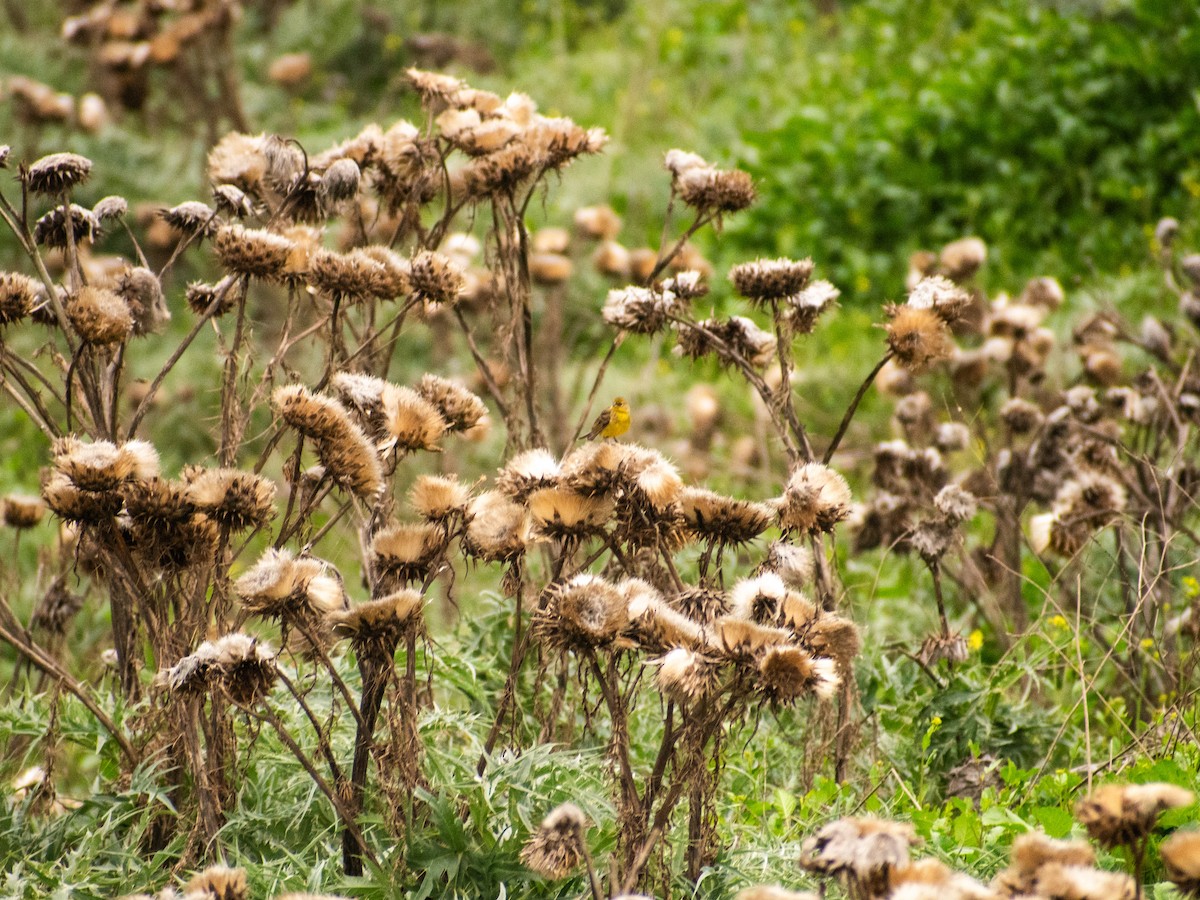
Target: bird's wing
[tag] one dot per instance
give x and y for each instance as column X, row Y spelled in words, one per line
column 600, row 424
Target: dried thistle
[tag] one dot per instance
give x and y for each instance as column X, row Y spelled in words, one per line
column 527, row 472
column 243, row 666
column 252, row 252
column 787, row 672
column 18, row 296
column 497, row 529
column 581, row 614
column 815, row 500
column 435, row 278
column 860, row 852
column 723, row 520
column 765, row 280
column 218, row 883
column 917, row 337
column 1181, row 858
column 1118, row 815
column 403, row 553
column 557, row 848
column 437, row 498
column 21, row 512
column 281, row 585
column 561, row 514
column 51, row 229
column 192, row 219
column 377, row 626
column 57, row 173
column 460, row 409
column 101, row 317
column 685, row 675
column 233, row 499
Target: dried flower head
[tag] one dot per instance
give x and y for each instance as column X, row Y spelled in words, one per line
column 460, row 409
column 1181, row 858
column 938, row 647
column 403, row 553
column 700, row 604
column 599, row 222
column 437, row 498
column 724, row 337
column 435, row 278
column 410, row 422
column 765, row 280
column 1032, row 851
column 802, row 310
column 723, row 520
column 221, row 297
column 528, row 471
column 656, row 626
column 561, row 514
column 238, row 159
column 192, row 219
column 917, row 337
column 497, row 528
column 963, row 258
column 860, row 852
column 1063, row 882
column 556, row 848
column 376, row 627
column 218, row 883
column 143, row 295
column 787, row 672
column 1124, row 814
column 351, row 277
column 58, row 172
column 344, row 449
column 19, row 511
column 100, row 316
column 685, row 675
column 716, row 190
column 75, row 504
column 759, row 599
column 18, row 296
column 815, row 500
column 581, row 614
column 253, row 252
column 243, row 666
column 233, row 499
column 51, row 229
column 743, row 640
column 792, row 563
column 281, row 585
column 1021, row 416
column 640, row 310
column 941, row 296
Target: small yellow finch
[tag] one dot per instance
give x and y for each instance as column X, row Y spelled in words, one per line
column 612, row 422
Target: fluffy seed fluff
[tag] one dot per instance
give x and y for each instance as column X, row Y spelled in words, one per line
column 528, row 471
column 243, row 666
column 437, row 498
column 281, row 585
column 787, row 673
column 685, row 675
column 497, row 528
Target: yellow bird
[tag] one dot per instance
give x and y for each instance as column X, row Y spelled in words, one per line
column 612, row 422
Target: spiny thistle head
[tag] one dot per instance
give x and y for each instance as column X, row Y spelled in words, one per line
column 252, row 252
column 527, row 472
column 758, row 599
column 404, row 552
column 233, row 499
column 192, row 219
column 281, row 585
column 100, row 316
column 1181, row 858
column 58, row 172
column 862, row 852
column 556, row 848
column 242, row 666
column 20, row 512
column 218, row 883
column 435, row 278
column 723, row 520
column 766, row 280
column 437, row 498
column 497, row 528
column 787, row 672
column 941, row 296
column 1121, row 815
column 18, row 296
column 376, row 627
column 460, row 409
column 685, row 675
column 560, row 513
column 584, row 613
column 963, row 258
column 917, row 337
column 815, row 500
